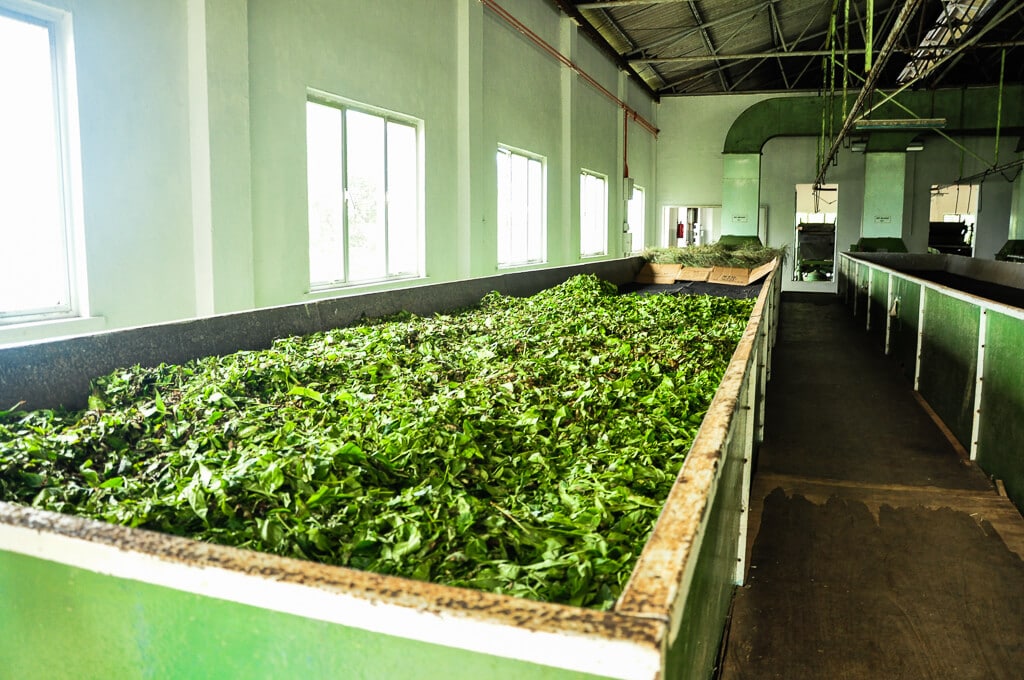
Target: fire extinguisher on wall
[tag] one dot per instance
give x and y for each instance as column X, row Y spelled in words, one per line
column 681, row 230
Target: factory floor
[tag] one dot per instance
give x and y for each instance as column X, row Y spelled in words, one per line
column 877, row 551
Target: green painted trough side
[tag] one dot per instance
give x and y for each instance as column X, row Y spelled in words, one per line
column 1001, row 435
column 949, row 352
column 963, row 352
column 88, row 599
column 107, row 627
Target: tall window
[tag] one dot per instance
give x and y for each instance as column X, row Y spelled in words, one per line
column 635, row 218
column 522, row 232
column 363, row 184
column 35, row 227
column 593, row 214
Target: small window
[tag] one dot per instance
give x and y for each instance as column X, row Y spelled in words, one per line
column 363, row 192
column 593, row 215
column 36, row 263
column 635, row 219
column 522, row 231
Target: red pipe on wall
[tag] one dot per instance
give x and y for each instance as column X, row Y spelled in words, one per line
column 547, row 47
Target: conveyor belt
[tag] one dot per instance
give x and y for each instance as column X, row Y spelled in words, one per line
column 877, row 552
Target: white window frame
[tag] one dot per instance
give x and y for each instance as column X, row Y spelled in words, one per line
column 593, row 226
column 330, row 100
column 535, row 205
column 640, row 229
column 69, row 190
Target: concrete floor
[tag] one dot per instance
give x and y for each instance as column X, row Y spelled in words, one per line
column 876, row 551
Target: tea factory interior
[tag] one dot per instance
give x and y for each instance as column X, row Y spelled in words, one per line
column 188, row 178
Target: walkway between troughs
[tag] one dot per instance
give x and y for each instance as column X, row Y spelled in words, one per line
column 877, row 551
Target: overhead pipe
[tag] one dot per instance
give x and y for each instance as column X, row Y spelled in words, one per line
column 869, row 84
column 568, row 63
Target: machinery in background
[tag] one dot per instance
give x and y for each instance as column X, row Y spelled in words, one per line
column 815, row 251
column 951, row 238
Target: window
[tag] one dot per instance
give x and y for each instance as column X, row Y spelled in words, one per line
column 522, row 231
column 36, row 262
column 363, row 183
column 593, row 215
column 635, row 219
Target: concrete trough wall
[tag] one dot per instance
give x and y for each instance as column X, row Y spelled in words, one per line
column 961, row 351
column 134, row 603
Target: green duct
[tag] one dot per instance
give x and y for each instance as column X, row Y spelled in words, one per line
column 971, row 111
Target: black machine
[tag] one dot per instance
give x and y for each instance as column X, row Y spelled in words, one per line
column 815, row 251
column 950, row 238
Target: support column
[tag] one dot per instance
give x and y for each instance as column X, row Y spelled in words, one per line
column 566, row 240
column 471, row 152
column 884, row 185
column 218, row 64
column 741, row 194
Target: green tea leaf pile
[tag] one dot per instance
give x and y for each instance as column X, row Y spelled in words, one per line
column 524, row 446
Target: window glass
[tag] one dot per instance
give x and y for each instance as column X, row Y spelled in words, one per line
column 35, row 276
column 635, row 218
column 363, row 183
column 521, row 224
column 593, row 215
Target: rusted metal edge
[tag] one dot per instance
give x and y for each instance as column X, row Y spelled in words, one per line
column 661, row 580
column 604, row 643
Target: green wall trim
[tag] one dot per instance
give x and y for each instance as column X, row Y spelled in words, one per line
column 968, row 111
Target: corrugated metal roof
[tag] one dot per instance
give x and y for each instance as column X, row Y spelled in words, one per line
column 683, row 47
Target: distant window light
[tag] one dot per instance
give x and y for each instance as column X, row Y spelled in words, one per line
column 522, row 228
column 37, row 277
column 635, row 214
column 363, row 195
column 593, row 214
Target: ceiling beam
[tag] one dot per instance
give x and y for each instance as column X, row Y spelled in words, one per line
column 608, row 4
column 706, row 37
column 773, row 54
column 686, row 32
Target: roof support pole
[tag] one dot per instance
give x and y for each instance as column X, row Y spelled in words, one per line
column 908, row 10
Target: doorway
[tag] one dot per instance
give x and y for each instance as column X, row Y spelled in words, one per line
column 817, row 209
column 953, row 218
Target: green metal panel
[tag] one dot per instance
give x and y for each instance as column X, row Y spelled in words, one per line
column 695, row 649
column 61, row 622
column 1001, row 434
column 741, row 185
column 949, row 359
column 903, row 330
column 884, row 178
column 879, row 307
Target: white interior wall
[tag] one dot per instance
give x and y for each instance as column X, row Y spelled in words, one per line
column 192, row 115
column 133, row 119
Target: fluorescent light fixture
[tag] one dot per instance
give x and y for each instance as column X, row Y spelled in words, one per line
column 859, row 147
column 915, row 146
column 900, row 124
